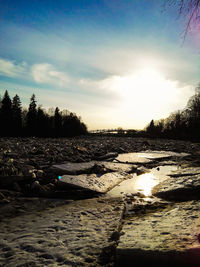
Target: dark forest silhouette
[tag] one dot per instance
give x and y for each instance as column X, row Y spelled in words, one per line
column 183, row 124
column 35, row 121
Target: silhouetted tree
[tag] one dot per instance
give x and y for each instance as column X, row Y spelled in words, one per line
column 120, row 131
column 151, row 128
column 6, row 115
column 17, row 116
column 36, row 121
column 72, row 126
column 42, row 124
column 193, row 109
column 57, row 123
column 31, row 117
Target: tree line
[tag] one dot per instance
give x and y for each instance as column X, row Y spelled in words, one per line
column 35, row 121
column 183, row 124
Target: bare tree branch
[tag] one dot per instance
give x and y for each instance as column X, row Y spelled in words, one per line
column 188, row 8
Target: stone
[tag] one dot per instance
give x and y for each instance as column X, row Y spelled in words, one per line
column 142, row 170
column 94, row 182
column 168, row 237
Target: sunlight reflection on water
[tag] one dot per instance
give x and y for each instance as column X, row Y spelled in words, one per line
column 143, row 183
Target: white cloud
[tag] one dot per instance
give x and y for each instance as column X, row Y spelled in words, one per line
column 140, row 96
column 46, row 73
column 10, row 69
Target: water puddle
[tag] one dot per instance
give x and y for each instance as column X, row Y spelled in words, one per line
column 143, row 183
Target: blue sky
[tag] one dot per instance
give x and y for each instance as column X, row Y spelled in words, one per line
column 115, row 63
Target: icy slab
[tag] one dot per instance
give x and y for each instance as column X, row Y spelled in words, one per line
column 148, row 156
column 72, row 168
column 134, row 158
column 86, row 167
column 169, row 237
column 162, row 154
column 183, row 187
column 186, row 172
column 117, row 167
column 78, row 234
column 98, row 183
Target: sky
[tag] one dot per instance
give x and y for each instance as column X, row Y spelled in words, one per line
column 115, row 63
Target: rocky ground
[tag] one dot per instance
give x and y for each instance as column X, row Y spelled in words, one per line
column 56, row 208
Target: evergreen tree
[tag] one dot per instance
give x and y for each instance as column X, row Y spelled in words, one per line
column 42, row 123
column 17, row 116
column 57, row 123
column 6, row 115
column 31, row 117
column 151, row 128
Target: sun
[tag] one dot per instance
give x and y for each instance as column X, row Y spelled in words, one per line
column 145, row 93
column 147, row 85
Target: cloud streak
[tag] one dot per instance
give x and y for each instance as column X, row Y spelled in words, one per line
column 9, row 68
column 47, row 74
column 40, row 73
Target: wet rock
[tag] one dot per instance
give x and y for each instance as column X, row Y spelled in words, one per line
column 179, row 188
column 168, row 237
column 81, row 149
column 43, row 190
column 94, row 182
column 142, row 170
column 99, row 168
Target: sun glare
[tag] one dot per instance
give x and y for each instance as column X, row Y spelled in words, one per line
column 145, row 183
column 147, row 85
column 146, row 93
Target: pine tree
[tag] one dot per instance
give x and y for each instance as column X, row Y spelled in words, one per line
column 17, row 115
column 31, row 117
column 6, row 115
column 43, row 123
column 151, row 128
column 57, row 122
